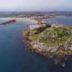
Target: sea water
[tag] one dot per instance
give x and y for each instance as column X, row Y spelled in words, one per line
column 14, row 56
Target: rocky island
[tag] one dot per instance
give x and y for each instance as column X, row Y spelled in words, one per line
column 53, row 41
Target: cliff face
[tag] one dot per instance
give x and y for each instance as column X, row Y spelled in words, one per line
column 54, row 42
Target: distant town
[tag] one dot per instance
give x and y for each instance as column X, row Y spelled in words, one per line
column 29, row 14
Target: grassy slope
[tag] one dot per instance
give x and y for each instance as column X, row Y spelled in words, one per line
column 52, row 35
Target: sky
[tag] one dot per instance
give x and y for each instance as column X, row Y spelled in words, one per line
column 35, row 5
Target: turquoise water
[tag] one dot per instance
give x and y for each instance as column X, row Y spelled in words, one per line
column 14, row 56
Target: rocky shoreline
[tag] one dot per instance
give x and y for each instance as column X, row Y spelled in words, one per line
column 59, row 53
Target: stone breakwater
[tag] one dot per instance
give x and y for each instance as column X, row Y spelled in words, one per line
column 29, row 20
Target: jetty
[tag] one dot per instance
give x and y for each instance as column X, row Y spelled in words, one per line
column 8, row 22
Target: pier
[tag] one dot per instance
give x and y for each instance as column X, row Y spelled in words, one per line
column 8, row 22
column 37, row 20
